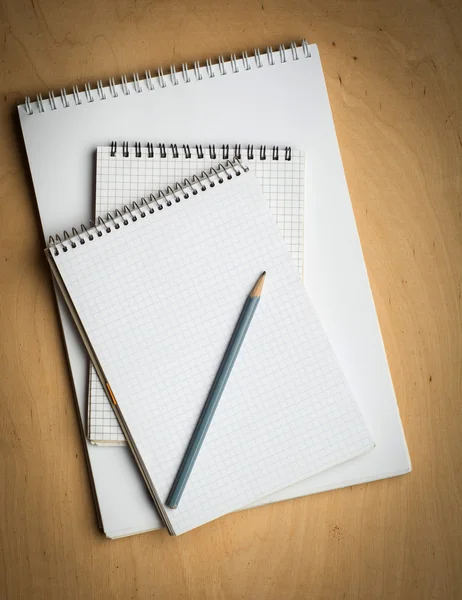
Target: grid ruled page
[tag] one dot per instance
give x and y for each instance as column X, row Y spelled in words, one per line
column 123, row 179
column 184, row 272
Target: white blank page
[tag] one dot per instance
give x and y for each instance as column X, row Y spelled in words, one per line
column 285, row 103
column 159, row 300
column 126, row 175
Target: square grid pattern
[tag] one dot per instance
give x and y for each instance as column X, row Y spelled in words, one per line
column 124, row 179
column 286, row 413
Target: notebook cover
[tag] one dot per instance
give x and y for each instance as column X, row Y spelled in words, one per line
column 286, row 103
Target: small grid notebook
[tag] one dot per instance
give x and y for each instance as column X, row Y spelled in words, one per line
column 128, row 172
column 156, row 293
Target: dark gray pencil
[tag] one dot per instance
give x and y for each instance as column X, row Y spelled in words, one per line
column 215, row 393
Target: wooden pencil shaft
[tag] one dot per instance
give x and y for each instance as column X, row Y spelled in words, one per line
column 214, row 396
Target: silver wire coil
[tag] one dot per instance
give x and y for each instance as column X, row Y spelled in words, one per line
column 150, row 83
column 140, row 209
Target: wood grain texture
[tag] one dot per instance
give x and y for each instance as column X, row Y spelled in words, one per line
column 394, row 75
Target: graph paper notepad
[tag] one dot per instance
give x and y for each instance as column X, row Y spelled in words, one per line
column 156, row 293
column 286, row 102
column 128, row 172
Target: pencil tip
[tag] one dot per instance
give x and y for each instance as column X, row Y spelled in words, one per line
column 257, row 289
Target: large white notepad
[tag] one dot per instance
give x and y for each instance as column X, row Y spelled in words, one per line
column 157, row 293
column 285, row 103
column 125, row 173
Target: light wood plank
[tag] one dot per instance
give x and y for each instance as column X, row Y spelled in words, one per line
column 394, row 75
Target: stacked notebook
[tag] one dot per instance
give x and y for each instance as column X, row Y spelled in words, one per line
column 153, row 268
column 127, row 173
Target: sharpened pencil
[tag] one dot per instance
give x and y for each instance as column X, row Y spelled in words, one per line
column 215, row 393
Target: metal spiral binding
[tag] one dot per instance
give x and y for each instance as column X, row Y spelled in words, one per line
column 214, row 153
column 138, row 85
column 141, row 209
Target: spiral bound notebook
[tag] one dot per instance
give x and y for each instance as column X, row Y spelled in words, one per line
column 286, row 102
column 127, row 172
column 169, row 277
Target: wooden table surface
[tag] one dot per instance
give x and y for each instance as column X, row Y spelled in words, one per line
column 394, row 76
